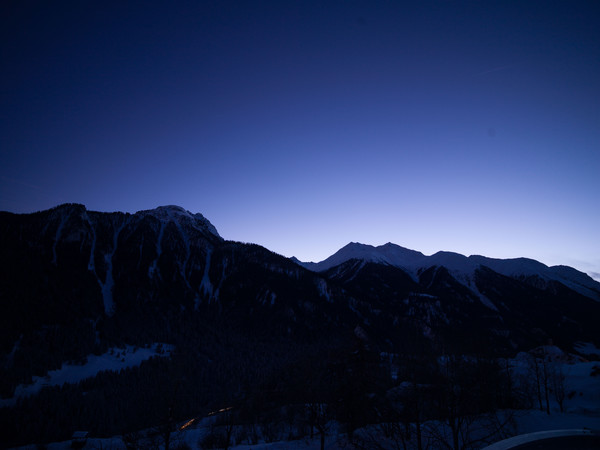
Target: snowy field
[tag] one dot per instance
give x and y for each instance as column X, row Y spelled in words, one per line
column 115, row 359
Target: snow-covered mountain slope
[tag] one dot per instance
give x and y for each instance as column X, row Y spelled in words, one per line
column 460, row 266
column 391, row 254
column 522, row 268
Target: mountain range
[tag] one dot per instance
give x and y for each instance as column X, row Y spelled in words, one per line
column 77, row 283
column 462, row 267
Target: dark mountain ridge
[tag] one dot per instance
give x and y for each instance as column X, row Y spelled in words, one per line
column 77, row 283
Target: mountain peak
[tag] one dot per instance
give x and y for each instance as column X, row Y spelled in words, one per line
column 167, row 211
column 390, row 254
column 177, row 213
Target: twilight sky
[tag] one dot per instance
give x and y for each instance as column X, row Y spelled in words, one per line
column 471, row 127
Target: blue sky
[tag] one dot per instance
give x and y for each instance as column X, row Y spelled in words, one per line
column 471, row 127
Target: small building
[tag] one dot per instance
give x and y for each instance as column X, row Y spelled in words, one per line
column 79, row 439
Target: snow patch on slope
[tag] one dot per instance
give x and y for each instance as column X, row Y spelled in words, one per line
column 205, row 285
column 91, row 262
column 107, row 286
column 324, row 289
column 186, row 241
column 115, row 359
column 59, row 229
column 153, row 266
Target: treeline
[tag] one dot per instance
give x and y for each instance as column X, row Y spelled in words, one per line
column 432, row 401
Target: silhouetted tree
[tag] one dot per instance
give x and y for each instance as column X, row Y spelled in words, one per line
column 558, row 381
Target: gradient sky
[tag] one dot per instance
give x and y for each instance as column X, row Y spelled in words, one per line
column 471, row 127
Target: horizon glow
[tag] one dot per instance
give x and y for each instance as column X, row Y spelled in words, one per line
column 464, row 127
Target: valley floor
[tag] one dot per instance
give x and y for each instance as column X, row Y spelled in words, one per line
column 527, row 422
column 582, row 410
